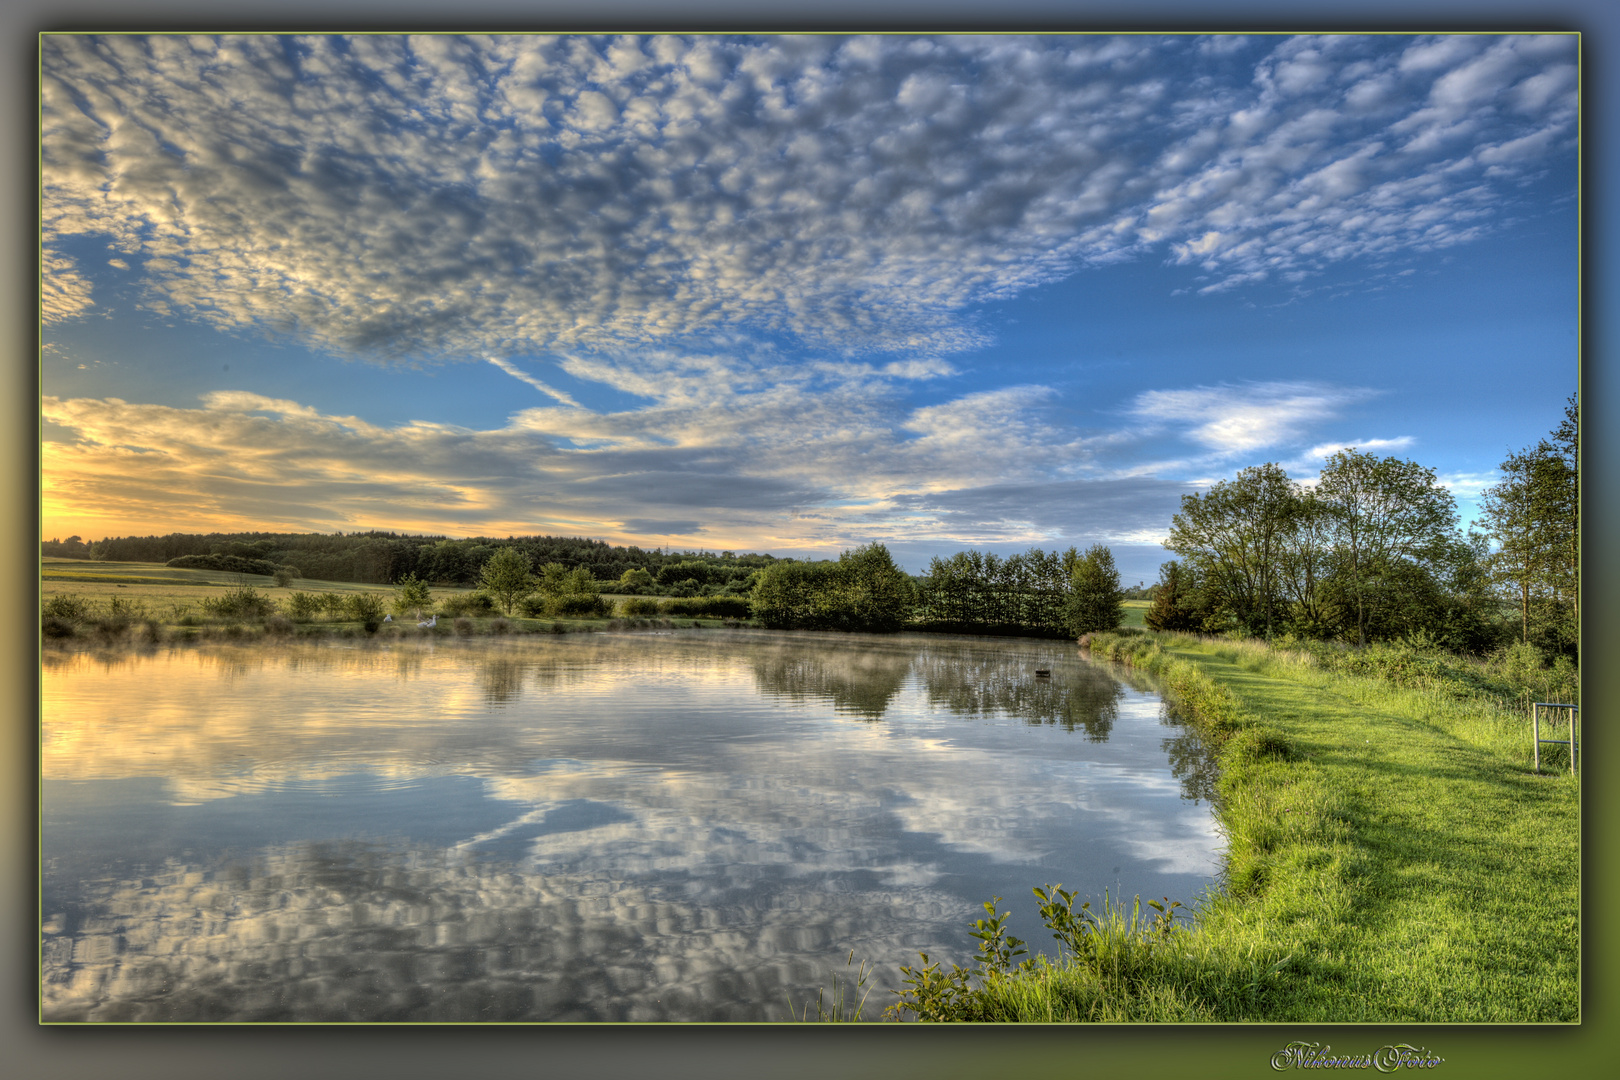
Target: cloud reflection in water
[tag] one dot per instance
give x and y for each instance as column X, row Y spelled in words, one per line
column 618, row 827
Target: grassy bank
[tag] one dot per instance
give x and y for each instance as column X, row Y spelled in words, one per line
column 1391, row 858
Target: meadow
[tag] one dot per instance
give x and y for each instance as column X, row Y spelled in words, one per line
column 109, row 602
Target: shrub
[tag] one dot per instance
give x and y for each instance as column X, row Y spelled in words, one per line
column 474, row 603
column 303, row 606
column 54, row 626
column 463, row 626
column 284, row 575
column 580, row 606
column 412, row 595
column 366, row 609
column 714, row 607
column 334, row 604
column 67, row 607
column 566, row 605
column 638, row 606
column 242, row 602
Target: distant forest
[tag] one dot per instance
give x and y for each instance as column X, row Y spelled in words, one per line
column 384, row 558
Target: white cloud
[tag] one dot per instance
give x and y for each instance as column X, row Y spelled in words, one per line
column 438, row 195
column 1467, row 485
column 1242, row 419
column 1323, row 451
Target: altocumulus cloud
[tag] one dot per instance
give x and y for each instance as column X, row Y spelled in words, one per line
column 465, row 195
column 767, row 242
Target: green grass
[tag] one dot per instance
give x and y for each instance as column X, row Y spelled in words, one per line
column 1392, row 858
column 1135, row 610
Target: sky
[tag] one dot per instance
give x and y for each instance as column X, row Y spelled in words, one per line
column 790, row 294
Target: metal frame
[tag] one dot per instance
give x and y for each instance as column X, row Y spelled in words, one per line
column 1535, row 726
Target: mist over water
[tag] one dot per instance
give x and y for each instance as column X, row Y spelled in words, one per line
column 675, row 826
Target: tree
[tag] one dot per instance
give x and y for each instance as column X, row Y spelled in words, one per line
column 1387, row 515
column 506, row 576
column 411, row 595
column 553, row 579
column 1305, row 562
column 1234, row 534
column 635, row 579
column 1176, row 603
column 877, row 595
column 1533, row 515
column 1096, row 602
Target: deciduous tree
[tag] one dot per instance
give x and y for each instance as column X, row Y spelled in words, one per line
column 506, row 576
column 1096, row 602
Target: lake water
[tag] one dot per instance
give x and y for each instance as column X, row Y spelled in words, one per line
column 696, row 825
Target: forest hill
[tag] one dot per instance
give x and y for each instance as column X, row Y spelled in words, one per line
column 383, row 558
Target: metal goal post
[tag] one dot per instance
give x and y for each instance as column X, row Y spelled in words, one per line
column 1535, row 724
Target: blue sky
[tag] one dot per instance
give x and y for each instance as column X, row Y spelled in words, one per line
column 790, row 295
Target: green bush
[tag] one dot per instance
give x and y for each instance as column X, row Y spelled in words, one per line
column 242, row 602
column 54, row 626
column 567, row 605
column 714, row 607
column 303, row 606
column 412, row 596
column 367, row 609
column 473, row 604
column 638, row 606
column 67, row 607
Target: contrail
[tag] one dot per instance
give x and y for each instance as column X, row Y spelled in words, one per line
column 534, row 382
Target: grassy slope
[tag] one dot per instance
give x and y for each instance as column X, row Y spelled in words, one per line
column 1392, row 858
column 1457, row 895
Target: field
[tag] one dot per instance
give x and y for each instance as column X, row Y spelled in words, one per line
column 148, row 603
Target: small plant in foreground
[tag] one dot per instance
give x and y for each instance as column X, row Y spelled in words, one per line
column 839, row 1010
column 1112, row 949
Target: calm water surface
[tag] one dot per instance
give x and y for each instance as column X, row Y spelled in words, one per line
column 691, row 825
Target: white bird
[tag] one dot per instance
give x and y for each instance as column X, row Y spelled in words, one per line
column 430, row 622
column 388, row 618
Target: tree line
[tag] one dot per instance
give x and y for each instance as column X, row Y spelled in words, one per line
column 1036, row 593
column 1373, row 551
column 383, row 558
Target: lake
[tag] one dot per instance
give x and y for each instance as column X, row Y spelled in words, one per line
column 639, row 826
